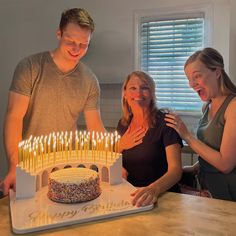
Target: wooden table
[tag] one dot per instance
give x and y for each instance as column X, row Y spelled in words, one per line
column 175, row 214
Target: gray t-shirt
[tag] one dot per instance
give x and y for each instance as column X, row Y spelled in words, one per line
column 56, row 98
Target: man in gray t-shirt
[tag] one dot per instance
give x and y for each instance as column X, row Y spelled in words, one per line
column 50, row 89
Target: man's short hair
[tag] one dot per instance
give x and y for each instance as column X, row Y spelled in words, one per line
column 78, row 16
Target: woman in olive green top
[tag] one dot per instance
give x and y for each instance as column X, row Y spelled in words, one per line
column 216, row 134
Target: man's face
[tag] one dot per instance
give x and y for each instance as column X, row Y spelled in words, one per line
column 73, row 42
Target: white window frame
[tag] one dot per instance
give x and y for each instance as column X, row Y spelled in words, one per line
column 169, row 13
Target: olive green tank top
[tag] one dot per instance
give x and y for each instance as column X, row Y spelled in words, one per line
column 211, row 132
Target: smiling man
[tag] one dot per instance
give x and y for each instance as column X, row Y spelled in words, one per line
column 49, row 90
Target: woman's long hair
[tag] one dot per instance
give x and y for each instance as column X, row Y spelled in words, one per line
column 212, row 59
column 152, row 111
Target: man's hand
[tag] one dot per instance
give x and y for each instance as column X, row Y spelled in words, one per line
column 9, row 182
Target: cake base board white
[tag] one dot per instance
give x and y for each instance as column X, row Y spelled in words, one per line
column 40, row 213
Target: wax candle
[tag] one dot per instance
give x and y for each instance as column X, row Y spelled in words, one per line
column 81, row 148
column 20, row 152
column 49, row 148
column 66, row 151
column 94, row 151
column 111, row 149
column 54, row 153
column 42, row 156
column 106, row 147
column 35, row 162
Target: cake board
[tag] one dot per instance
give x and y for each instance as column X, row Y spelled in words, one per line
column 40, row 213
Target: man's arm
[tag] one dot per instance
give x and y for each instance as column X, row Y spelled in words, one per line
column 16, row 109
column 93, row 121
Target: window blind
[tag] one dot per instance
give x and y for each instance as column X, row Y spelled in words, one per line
column 164, row 47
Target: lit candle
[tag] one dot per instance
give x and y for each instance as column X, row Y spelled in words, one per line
column 85, row 147
column 35, row 163
column 99, row 149
column 70, row 146
column 111, row 149
column 62, row 142
column 80, row 136
column 29, row 161
column 81, row 148
column 20, row 152
column 37, row 153
column 66, row 151
column 76, row 146
column 65, row 138
column 94, row 151
column 106, row 147
column 57, row 137
column 24, row 156
column 102, row 146
column 115, row 148
column 49, row 148
column 54, row 153
column 45, row 145
column 42, row 157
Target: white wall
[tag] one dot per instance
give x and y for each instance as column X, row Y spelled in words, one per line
column 232, row 47
column 29, row 26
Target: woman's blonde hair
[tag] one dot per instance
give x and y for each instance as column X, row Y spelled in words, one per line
column 127, row 112
column 212, row 59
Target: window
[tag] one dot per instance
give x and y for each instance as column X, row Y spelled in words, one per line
column 164, row 44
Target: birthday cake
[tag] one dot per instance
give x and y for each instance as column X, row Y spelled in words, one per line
column 73, row 185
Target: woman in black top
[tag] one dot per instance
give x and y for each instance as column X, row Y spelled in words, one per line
column 151, row 150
